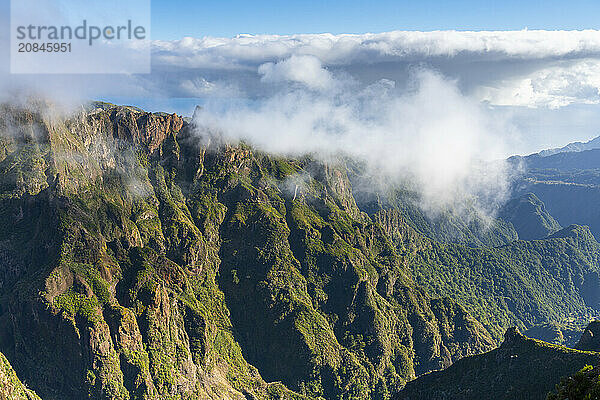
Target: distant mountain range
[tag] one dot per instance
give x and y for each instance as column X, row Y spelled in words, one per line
column 565, row 180
column 573, row 147
column 563, row 161
column 552, row 188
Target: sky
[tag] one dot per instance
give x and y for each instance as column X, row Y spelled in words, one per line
column 531, row 68
column 174, row 19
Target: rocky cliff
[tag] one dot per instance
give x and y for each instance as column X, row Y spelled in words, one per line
column 144, row 257
column 141, row 258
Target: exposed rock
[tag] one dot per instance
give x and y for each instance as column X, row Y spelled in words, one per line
column 157, row 264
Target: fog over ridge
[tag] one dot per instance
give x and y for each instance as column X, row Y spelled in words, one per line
column 430, row 135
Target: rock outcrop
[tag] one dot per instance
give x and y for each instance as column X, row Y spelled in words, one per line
column 142, row 257
column 11, row 388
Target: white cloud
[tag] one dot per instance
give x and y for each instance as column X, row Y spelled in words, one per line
column 368, row 95
column 200, row 87
column 555, row 86
column 532, row 70
column 432, row 134
column 517, row 68
column 369, row 48
column 307, row 70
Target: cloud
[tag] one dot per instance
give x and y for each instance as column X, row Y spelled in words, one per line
column 431, row 135
column 554, row 86
column 508, row 68
column 515, row 68
column 200, row 87
column 307, row 70
column 339, row 50
column 513, row 73
column 424, row 106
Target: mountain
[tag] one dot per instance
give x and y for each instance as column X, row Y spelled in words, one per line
column 510, row 283
column 561, row 161
column 467, row 226
column 529, row 217
column 143, row 258
column 569, row 203
column 567, row 183
column 521, row 368
column 573, row 147
column 525, row 283
column 566, row 333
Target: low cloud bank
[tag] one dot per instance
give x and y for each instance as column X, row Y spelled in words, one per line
column 516, row 68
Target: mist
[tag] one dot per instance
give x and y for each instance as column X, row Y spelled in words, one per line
column 445, row 144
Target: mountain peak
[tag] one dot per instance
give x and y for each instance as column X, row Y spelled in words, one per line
column 512, row 335
column 590, row 339
column 197, row 112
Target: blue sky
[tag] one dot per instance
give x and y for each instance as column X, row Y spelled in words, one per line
column 173, row 19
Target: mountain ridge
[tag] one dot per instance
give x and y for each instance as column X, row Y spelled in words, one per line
column 521, row 368
column 159, row 261
column 573, row 147
column 176, row 267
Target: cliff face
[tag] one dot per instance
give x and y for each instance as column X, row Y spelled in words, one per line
column 142, row 259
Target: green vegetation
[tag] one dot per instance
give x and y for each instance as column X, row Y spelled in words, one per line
column 568, row 183
column 464, row 225
column 584, row 385
column 11, row 388
column 157, row 264
column 529, row 217
column 522, row 284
